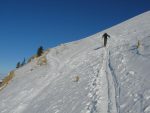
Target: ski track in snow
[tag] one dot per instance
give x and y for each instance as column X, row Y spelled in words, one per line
column 104, row 96
column 114, row 87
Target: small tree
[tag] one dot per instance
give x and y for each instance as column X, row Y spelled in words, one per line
column 40, row 51
column 23, row 62
column 18, row 65
column 138, row 44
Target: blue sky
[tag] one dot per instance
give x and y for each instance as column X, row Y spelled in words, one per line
column 27, row 24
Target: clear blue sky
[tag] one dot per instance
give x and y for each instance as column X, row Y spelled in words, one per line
column 27, row 24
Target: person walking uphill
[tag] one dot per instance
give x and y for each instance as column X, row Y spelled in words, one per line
column 105, row 36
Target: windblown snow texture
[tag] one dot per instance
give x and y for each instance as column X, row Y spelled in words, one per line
column 112, row 79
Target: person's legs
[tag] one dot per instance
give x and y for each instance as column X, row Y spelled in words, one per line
column 105, row 42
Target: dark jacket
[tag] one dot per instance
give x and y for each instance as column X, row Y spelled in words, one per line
column 105, row 36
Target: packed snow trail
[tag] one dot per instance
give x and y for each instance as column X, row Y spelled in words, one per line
column 103, row 86
column 108, row 86
column 97, row 87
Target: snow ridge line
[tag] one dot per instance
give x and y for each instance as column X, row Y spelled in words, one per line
column 115, row 83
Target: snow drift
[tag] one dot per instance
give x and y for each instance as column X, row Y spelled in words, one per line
column 85, row 77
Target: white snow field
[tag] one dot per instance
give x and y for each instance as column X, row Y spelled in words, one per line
column 115, row 79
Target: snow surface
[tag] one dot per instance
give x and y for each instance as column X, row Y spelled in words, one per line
column 114, row 79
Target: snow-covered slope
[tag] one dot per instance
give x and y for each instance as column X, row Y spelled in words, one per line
column 114, row 79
